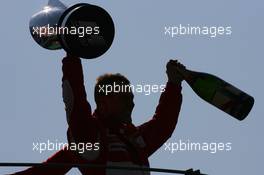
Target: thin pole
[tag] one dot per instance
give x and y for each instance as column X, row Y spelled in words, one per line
column 56, row 165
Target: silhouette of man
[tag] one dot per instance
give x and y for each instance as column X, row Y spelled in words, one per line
column 109, row 129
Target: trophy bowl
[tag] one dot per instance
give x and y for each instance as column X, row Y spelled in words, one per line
column 43, row 24
column 83, row 30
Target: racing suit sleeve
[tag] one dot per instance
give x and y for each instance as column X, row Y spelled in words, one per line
column 160, row 128
column 82, row 125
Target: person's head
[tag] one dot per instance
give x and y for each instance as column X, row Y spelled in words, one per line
column 114, row 98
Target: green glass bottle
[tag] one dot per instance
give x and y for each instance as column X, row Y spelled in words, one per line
column 219, row 93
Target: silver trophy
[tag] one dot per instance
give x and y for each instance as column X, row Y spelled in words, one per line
column 43, row 24
column 83, row 29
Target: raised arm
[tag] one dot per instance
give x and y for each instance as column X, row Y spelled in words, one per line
column 82, row 126
column 156, row 131
column 74, row 95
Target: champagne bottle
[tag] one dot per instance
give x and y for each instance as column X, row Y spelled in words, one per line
column 219, row 93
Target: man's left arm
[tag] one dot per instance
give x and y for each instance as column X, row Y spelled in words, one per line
column 160, row 128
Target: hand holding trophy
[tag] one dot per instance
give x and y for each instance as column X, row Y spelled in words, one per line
column 83, row 30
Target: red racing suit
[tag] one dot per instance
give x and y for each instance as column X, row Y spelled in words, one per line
column 123, row 145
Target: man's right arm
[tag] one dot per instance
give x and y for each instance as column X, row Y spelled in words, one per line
column 74, row 95
column 82, row 126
